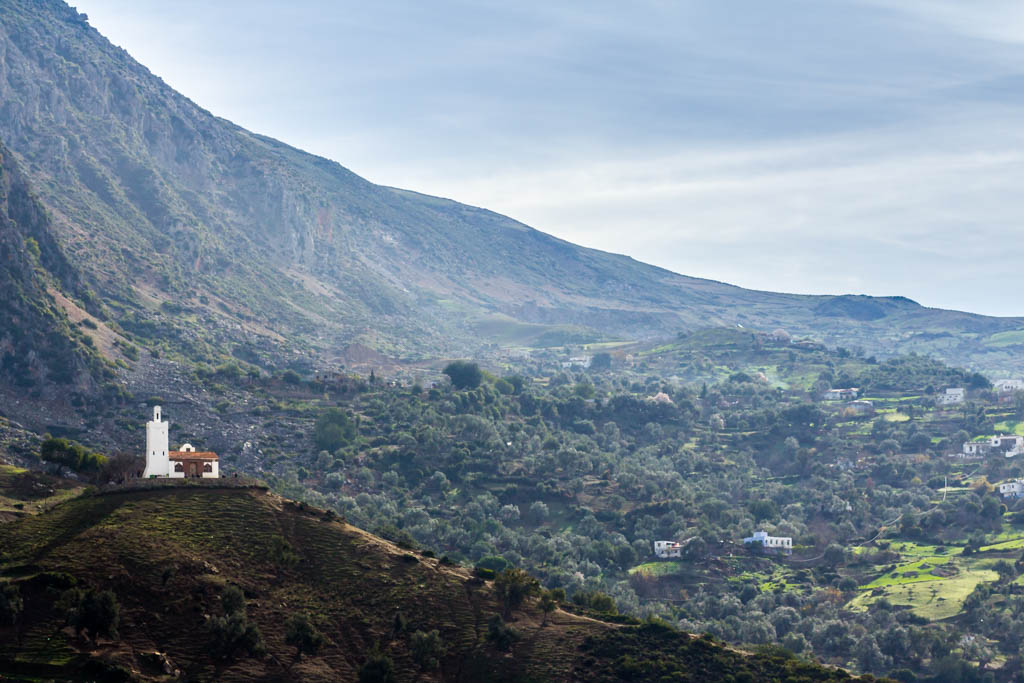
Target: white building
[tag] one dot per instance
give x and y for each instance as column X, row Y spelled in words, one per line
column 1014, row 488
column 780, row 544
column 841, row 394
column 1007, row 445
column 951, row 397
column 668, row 549
column 1004, row 386
column 975, row 449
column 577, row 362
column 161, row 462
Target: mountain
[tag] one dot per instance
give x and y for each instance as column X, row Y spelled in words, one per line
column 38, row 343
column 208, row 239
column 169, row 556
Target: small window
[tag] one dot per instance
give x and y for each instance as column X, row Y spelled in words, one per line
column 178, row 467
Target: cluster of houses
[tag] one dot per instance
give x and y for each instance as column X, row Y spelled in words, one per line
column 1005, row 389
column 854, row 407
column 1007, row 445
column 782, row 545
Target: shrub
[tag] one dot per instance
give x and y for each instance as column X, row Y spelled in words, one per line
column 72, row 455
column 300, row 632
column 11, row 604
column 427, row 649
column 377, row 669
column 501, row 634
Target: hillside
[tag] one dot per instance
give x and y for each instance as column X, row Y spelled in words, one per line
column 209, row 239
column 39, row 346
column 170, row 554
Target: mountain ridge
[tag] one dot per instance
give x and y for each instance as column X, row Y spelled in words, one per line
column 160, row 202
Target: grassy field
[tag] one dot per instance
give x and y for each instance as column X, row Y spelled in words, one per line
column 933, row 600
column 668, row 568
column 914, row 572
column 934, row 580
column 1009, row 427
column 911, row 549
column 1004, row 545
column 1008, row 338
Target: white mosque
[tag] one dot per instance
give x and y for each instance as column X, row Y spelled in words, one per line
column 186, row 462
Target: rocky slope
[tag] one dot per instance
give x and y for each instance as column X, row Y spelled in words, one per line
column 225, row 237
column 40, row 350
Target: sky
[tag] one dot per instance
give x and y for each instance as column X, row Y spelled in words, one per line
column 816, row 146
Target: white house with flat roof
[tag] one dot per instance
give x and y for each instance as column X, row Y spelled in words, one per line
column 666, row 549
column 779, row 544
column 952, row 396
column 1013, row 488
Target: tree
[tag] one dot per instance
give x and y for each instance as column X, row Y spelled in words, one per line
column 300, row 632
column 11, row 604
column 427, row 649
column 333, row 429
column 834, row 554
column 513, row 586
column 547, row 605
column 232, row 600
column 501, row 634
column 233, row 632
column 93, row 612
column 463, row 374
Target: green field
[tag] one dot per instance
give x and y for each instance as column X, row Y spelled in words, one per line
column 1010, row 427
column 1009, row 338
column 668, row 568
column 916, row 572
column 934, row 600
column 1005, row 545
column 911, row 549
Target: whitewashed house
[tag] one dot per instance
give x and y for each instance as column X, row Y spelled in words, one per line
column 1007, row 445
column 951, row 397
column 1013, row 488
column 848, row 394
column 665, row 549
column 187, row 462
column 1006, row 386
column 778, row 544
column 975, row 449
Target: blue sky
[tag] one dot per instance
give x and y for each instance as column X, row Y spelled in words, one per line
column 824, row 146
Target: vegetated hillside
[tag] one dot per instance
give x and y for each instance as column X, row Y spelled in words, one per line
column 169, row 560
column 899, row 548
column 239, row 235
column 38, row 344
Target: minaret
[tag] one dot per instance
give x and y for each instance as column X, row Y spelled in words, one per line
column 157, row 464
